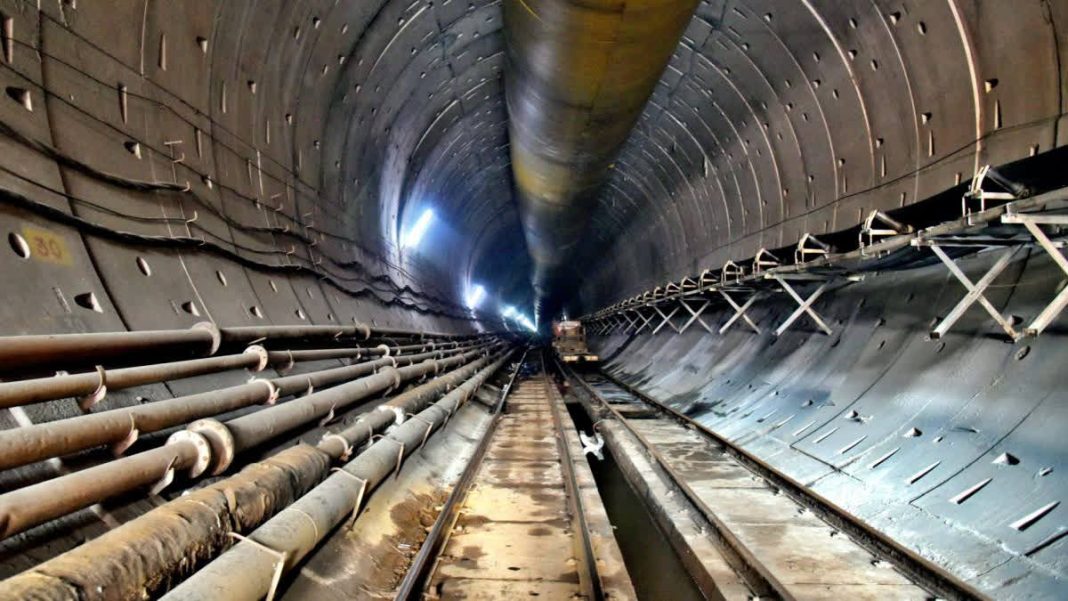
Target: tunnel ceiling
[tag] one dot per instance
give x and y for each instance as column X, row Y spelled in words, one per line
column 772, row 120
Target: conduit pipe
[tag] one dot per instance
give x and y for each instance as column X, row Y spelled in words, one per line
column 144, row 554
column 93, row 386
column 246, row 571
column 578, row 74
column 121, row 427
column 207, row 445
column 59, row 351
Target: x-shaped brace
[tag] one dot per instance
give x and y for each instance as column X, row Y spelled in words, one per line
column 695, row 316
column 804, row 306
column 644, row 319
column 739, row 312
column 665, row 319
column 975, row 293
column 1060, row 301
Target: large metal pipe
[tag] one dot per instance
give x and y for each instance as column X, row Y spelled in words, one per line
column 62, row 351
column 20, row 446
column 246, row 572
column 212, row 444
column 142, row 555
column 578, row 74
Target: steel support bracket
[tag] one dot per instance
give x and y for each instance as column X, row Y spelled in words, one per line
column 975, row 293
column 1059, row 302
column 695, row 316
column 665, row 319
column 804, row 307
column 739, row 311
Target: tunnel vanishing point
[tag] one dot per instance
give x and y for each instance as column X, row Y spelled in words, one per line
column 285, row 287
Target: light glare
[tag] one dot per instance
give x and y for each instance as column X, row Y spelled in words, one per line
column 475, row 296
column 415, row 234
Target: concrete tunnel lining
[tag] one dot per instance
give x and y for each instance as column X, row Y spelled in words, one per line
column 168, row 163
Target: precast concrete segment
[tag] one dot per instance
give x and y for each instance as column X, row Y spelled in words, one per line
column 943, row 445
column 209, row 446
column 148, row 553
column 245, row 571
column 577, row 77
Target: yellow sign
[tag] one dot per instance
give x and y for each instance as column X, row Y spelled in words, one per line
column 47, row 246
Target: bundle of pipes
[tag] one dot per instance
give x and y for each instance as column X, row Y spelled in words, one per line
column 91, row 387
column 61, row 351
column 146, row 554
column 206, row 445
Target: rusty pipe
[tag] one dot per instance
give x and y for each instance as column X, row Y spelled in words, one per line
column 94, row 385
column 205, row 445
column 246, row 572
column 578, row 75
column 20, row 446
column 59, row 351
column 145, row 553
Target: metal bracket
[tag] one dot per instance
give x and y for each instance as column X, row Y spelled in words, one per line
column 1032, row 222
column 975, row 292
column 695, row 316
column 804, row 306
column 889, row 227
column 810, row 245
column 280, row 561
column 976, row 191
column 665, row 319
column 645, row 321
column 739, row 311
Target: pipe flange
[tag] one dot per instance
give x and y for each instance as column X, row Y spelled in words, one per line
column 364, row 328
column 272, row 390
column 216, row 335
column 202, row 446
column 221, row 441
column 88, row 401
column 393, row 371
column 261, row 352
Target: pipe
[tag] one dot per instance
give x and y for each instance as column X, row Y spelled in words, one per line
column 20, row 446
column 206, row 445
column 143, row 555
column 246, row 571
column 578, row 74
column 57, row 351
column 95, row 385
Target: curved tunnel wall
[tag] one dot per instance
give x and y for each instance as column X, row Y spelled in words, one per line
column 943, row 444
column 776, row 119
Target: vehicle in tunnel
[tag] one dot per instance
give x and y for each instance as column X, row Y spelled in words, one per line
column 288, row 289
column 569, row 342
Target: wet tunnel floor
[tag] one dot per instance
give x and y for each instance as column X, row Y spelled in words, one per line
column 655, row 569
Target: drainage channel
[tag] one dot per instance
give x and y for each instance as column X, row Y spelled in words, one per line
column 655, row 569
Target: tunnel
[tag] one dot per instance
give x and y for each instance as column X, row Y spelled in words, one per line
column 289, row 291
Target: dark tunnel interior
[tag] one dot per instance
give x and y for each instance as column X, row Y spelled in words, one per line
column 765, row 214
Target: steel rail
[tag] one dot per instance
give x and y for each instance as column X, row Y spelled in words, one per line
column 20, row 353
column 593, row 585
column 920, row 570
column 245, row 571
column 21, row 446
column 154, row 549
column 756, row 575
column 208, row 445
column 414, row 582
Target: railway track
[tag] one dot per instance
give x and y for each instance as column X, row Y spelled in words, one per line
column 762, row 534
column 525, row 519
